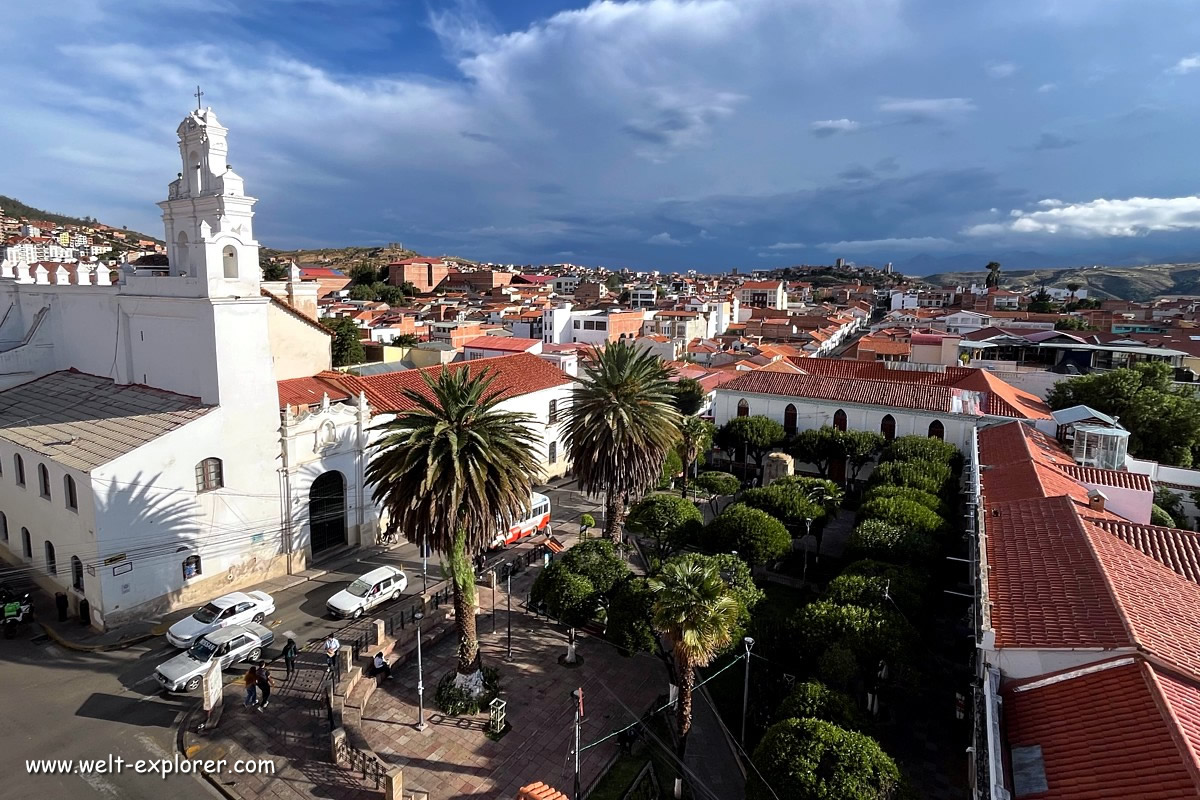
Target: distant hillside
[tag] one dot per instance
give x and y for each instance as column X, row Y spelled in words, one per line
column 347, row 259
column 1127, row 283
column 13, row 207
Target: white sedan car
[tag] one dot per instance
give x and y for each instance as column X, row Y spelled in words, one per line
column 377, row 586
column 232, row 609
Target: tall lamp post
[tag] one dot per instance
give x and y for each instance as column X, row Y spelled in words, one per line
column 508, row 600
column 749, row 642
column 418, row 616
column 807, row 532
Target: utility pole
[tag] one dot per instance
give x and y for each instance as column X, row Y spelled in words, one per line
column 508, row 598
column 749, row 642
column 577, row 695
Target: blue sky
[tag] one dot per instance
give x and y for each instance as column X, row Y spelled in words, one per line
column 658, row 134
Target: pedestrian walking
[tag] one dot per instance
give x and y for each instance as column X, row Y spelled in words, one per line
column 332, row 645
column 251, row 684
column 265, row 682
column 382, row 667
column 289, row 656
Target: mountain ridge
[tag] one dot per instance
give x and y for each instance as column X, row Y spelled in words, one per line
column 1140, row 283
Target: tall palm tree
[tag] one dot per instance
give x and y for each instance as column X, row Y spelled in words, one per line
column 694, row 609
column 620, row 426
column 695, row 436
column 456, row 469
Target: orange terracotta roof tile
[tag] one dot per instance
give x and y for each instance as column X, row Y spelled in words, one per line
column 510, row 344
column 1172, row 547
column 513, row 375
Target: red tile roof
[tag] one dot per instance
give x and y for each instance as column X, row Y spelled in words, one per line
column 1174, row 548
column 1128, row 730
column 1118, row 478
column 310, row 390
column 865, row 392
column 509, row 344
column 513, row 375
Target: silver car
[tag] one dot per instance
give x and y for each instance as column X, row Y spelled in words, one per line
column 185, row 672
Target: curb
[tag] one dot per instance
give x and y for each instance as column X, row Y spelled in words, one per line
column 181, row 744
column 61, row 641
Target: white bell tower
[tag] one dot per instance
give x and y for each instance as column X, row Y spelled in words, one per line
column 208, row 217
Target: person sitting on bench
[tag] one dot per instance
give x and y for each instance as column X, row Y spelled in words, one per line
column 382, row 667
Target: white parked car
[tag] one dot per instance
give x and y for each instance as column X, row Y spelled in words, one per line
column 234, row 608
column 377, row 586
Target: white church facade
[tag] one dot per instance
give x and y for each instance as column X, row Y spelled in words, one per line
column 145, row 462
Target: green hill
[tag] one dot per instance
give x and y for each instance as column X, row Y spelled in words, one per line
column 1126, row 283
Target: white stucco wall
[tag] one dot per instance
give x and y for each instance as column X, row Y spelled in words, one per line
column 297, row 348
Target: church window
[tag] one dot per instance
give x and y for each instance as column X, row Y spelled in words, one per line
column 937, row 430
column 44, row 480
column 26, row 543
column 77, row 573
column 20, row 465
column 51, row 561
column 3, row 527
column 191, row 567
column 209, row 475
column 72, row 494
column 743, row 408
column 181, row 254
column 229, row 261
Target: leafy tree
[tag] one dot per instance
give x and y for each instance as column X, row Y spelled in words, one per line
column 919, row 448
column 669, row 520
column 346, row 347
column 1085, row 303
column 718, row 484
column 1172, row 504
column 405, row 340
column 993, row 276
column 1160, row 516
column 363, row 292
column 1073, row 288
column 872, row 634
column 757, row 537
column 1040, row 302
column 838, row 666
column 820, row 447
column 860, row 448
column 810, row 759
column 613, row 282
column 695, row 611
column 757, row 435
column 695, row 437
column 598, row 561
column 923, row 475
column 906, row 587
column 930, row 501
column 822, row 491
column 911, row 516
column 1073, row 324
column 787, row 503
column 688, row 396
column 1163, row 420
column 586, row 521
column 672, row 466
column 392, row 295
column 877, row 539
column 815, row 700
column 629, row 608
column 453, row 470
column 620, row 426
column 274, row 271
column 568, row 596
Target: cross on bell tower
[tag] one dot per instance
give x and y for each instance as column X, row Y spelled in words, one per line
column 198, row 95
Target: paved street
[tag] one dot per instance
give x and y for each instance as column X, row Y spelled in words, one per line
column 64, row 704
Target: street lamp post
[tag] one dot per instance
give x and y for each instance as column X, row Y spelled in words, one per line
column 424, row 563
column 508, row 599
column 749, row 642
column 418, row 616
column 807, row 532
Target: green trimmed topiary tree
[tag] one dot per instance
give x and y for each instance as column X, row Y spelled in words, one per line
column 810, row 759
column 907, row 514
column 874, row 538
column 815, row 700
column 923, row 475
column 757, row 537
column 671, row 521
column 919, row 448
column 930, row 501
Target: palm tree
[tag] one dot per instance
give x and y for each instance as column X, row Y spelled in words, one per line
column 456, row 469
column 620, row 426
column 694, row 609
column 993, row 276
column 695, row 436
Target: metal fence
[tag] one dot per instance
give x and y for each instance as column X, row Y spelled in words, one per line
column 364, row 762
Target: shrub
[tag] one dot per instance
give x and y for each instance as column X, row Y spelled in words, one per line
column 815, row 700
column 1159, row 516
column 865, row 581
column 905, row 513
column 672, row 467
column 930, row 501
column 919, row 448
column 596, row 560
column 456, row 702
column 587, row 521
column 874, row 538
column 810, row 759
column 568, row 597
column 870, row 633
column 838, row 666
column 757, row 537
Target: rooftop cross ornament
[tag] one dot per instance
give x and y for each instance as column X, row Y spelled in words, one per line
column 198, row 95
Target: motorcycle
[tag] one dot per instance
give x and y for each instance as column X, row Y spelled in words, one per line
column 16, row 613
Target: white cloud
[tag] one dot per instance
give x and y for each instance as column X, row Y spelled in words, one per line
column 665, row 239
column 911, row 243
column 829, row 127
column 1000, row 69
column 1185, row 65
column 787, row 246
column 927, row 106
column 1135, row 216
column 1047, row 87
